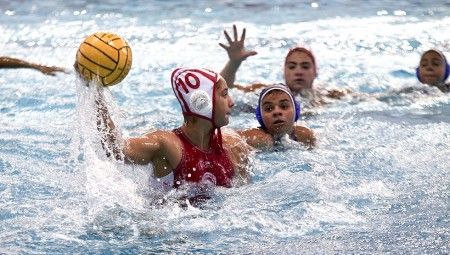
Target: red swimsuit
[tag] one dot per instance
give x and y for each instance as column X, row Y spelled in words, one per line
column 199, row 166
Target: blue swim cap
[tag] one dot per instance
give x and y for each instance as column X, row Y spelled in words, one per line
column 264, row 92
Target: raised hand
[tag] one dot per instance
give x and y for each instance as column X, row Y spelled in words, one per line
column 236, row 54
column 235, row 49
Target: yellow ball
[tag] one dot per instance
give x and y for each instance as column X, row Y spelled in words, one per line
column 105, row 58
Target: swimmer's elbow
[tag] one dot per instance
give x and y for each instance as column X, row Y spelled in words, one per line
column 310, row 143
column 306, row 136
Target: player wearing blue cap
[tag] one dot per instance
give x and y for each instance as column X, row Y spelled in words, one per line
column 277, row 113
column 434, row 70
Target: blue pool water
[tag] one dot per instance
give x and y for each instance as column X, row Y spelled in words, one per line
column 376, row 183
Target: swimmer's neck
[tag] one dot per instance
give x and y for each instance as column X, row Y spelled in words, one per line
column 305, row 92
column 198, row 132
column 280, row 136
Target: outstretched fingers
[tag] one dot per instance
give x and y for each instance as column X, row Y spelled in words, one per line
column 235, row 36
column 235, row 48
column 227, row 36
column 235, row 33
column 243, row 34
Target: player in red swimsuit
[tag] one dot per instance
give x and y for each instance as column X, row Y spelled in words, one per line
column 199, row 165
column 197, row 152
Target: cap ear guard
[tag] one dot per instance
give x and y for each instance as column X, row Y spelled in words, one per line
column 447, row 70
column 194, row 88
column 259, row 117
column 418, row 74
column 277, row 87
column 297, row 110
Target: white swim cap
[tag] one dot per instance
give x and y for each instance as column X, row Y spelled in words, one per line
column 194, row 89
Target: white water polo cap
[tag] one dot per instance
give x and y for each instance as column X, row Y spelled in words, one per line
column 194, row 89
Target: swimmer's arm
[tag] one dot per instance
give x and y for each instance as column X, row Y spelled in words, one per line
column 7, row 62
column 140, row 150
column 337, row 93
column 240, row 155
column 144, row 150
column 236, row 54
column 111, row 137
column 229, row 73
column 305, row 136
column 257, row 138
column 251, row 87
column 160, row 148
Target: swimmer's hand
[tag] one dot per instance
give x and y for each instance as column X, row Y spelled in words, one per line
column 51, row 70
column 236, row 50
column 75, row 67
column 250, row 88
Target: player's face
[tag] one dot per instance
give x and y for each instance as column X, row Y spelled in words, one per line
column 299, row 71
column 222, row 104
column 432, row 68
column 278, row 112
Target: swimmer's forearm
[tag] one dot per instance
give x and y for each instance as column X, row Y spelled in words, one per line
column 7, row 62
column 111, row 137
column 229, row 72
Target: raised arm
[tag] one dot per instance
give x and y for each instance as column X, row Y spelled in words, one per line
column 111, row 137
column 236, row 54
column 7, row 62
column 162, row 149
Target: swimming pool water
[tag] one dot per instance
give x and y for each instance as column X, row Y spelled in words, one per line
column 376, row 183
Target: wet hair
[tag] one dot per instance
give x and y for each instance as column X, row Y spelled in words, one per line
column 447, row 66
column 264, row 92
column 302, row 50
